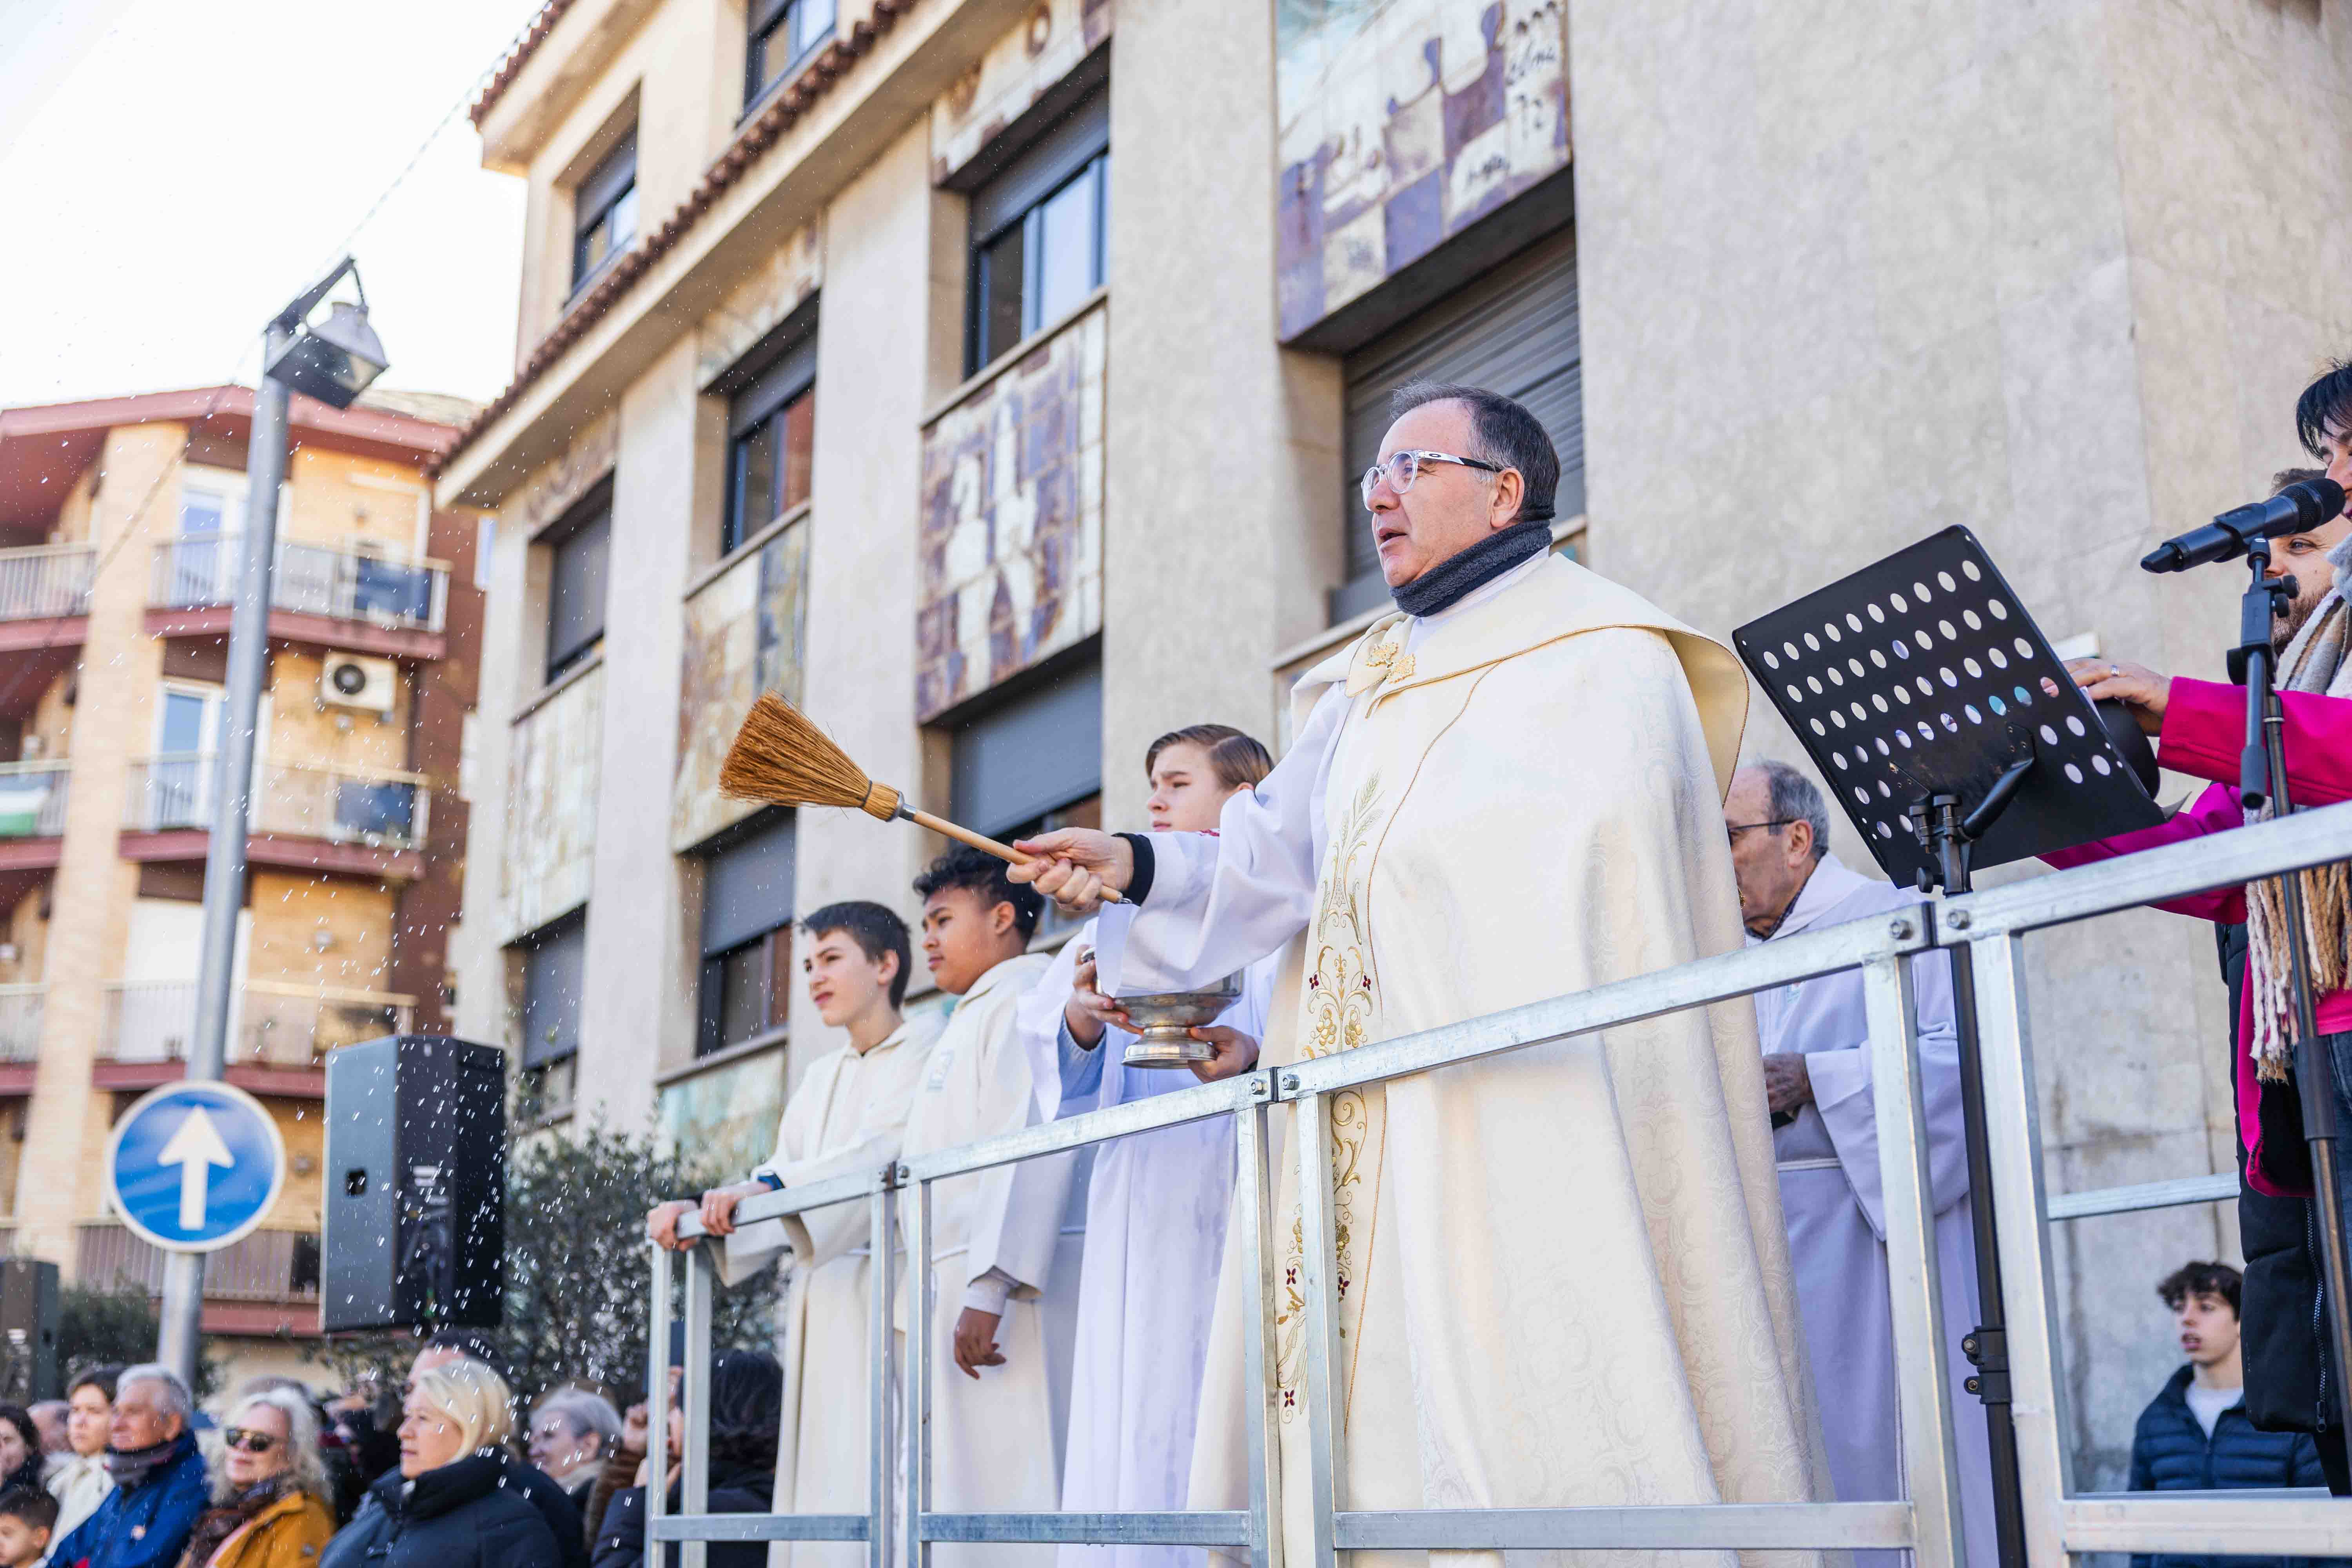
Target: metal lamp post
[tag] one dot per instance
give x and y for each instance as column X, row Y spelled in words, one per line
column 334, row 362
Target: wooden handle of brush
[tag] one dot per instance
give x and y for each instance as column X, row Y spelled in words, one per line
column 985, row 845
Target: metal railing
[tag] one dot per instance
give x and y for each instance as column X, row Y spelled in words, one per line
column 46, row 580
column 375, row 807
column 271, row 1023
column 20, row 1021
column 1985, row 930
column 266, row 1266
column 198, row 571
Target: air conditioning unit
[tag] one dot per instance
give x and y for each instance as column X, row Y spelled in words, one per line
column 354, row 680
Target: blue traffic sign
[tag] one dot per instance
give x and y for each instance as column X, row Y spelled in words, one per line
column 194, row 1166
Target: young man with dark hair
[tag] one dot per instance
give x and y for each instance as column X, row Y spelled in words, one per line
column 848, row 1115
column 2194, row 1436
column 997, row 1398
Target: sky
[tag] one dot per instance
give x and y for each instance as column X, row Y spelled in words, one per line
column 174, row 174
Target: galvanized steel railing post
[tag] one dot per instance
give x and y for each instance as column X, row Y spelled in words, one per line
column 918, row 1376
column 1930, row 1472
column 2012, row 1127
column 1327, row 1423
column 695, row 1489
column 883, row 1504
column 1253, row 1212
column 657, row 1389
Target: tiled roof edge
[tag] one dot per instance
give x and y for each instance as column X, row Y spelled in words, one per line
column 760, row 133
column 517, row 58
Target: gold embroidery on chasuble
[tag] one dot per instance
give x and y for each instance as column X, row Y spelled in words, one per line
column 1339, row 1008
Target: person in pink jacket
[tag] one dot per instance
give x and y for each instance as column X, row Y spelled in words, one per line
column 2201, row 728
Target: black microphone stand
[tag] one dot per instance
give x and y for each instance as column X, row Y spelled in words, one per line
column 2263, row 777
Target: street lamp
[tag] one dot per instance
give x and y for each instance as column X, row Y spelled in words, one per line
column 333, row 361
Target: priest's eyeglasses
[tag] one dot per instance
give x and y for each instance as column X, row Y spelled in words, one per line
column 1732, row 830
column 1402, row 467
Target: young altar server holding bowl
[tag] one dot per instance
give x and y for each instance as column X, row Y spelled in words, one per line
column 1157, row 1202
column 1562, row 1275
column 848, row 1116
column 1000, row 1344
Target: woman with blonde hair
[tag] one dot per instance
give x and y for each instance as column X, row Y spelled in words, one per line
column 270, row 1488
column 453, row 1501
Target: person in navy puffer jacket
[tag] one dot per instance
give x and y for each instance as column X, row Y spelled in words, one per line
column 2194, row 1436
column 159, row 1480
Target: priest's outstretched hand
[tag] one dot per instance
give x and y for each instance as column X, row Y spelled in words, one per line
column 975, row 1342
column 1071, row 865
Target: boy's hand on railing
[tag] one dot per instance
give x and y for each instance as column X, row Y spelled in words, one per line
column 1236, row 1054
column 719, row 1205
column 975, row 1342
column 661, row 1224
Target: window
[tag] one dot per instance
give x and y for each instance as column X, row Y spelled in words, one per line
column 555, row 967
column 1037, row 233
column 576, row 585
column 1034, row 764
column 604, row 211
column 1515, row 331
column 747, row 935
column 784, row 33
column 771, row 430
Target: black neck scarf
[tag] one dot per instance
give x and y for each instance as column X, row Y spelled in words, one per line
column 1443, row 585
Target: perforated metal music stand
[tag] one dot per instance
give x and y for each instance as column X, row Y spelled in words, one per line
column 1923, row 676
column 1951, row 734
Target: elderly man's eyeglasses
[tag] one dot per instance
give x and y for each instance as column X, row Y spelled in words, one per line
column 1732, row 830
column 1401, row 468
column 251, row 1441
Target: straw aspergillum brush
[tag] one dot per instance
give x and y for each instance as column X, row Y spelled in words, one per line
column 782, row 758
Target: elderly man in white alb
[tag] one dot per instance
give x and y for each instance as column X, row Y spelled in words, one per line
column 1562, row 1275
column 1816, row 1038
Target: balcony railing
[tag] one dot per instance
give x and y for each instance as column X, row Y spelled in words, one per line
column 271, row 1024
column 45, row 581
column 33, row 799
column 267, row 1266
column 20, row 1021
column 198, row 571
column 377, row 807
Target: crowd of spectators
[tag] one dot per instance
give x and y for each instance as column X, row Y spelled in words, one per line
column 443, row 1471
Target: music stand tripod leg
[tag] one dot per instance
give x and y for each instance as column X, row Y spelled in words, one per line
column 1938, row 821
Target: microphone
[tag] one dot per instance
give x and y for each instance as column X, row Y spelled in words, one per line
column 2300, row 506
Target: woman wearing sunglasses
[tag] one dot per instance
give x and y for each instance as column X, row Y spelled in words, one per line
column 270, row 1488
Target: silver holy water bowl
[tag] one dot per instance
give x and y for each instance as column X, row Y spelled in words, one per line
column 1165, row 1022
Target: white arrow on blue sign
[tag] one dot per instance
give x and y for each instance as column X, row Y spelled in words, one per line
column 194, row 1166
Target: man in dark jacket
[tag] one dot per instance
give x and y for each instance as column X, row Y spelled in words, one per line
column 2194, row 1436
column 159, row 1480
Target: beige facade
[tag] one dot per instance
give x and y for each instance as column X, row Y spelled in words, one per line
column 120, row 524
column 1794, row 286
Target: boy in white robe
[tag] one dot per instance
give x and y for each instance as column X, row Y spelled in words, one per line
column 1156, row 1203
column 847, row 1116
column 995, row 1234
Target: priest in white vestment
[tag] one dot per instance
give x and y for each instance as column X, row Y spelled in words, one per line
column 1562, row 1273
column 848, row 1115
column 1004, row 1264
column 1816, row 1039
column 1157, row 1203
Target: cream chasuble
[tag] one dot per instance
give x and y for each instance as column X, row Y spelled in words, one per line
column 993, row 1438
column 1564, row 1275
column 848, row 1115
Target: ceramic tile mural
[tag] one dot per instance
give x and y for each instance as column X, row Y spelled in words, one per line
column 552, row 770
column 742, row 637
column 727, row 1117
column 1032, row 54
column 1011, row 520
column 1402, row 121
column 793, row 271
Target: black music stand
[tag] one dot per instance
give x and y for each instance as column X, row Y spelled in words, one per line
column 1949, row 731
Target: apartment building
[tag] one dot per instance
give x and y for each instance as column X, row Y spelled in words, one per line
column 991, row 376
column 121, row 528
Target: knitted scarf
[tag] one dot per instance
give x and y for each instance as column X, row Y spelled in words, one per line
column 1444, row 584
column 2316, row 662
column 229, row 1515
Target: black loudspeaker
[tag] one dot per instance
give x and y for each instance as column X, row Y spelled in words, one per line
column 29, row 1332
column 415, row 1185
